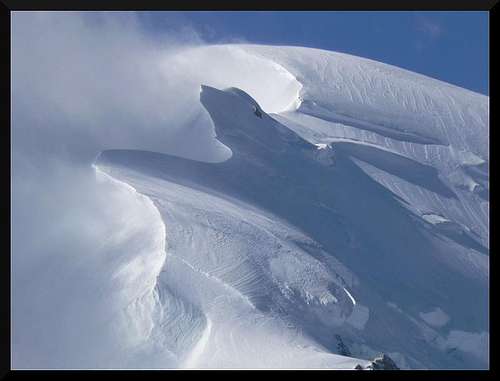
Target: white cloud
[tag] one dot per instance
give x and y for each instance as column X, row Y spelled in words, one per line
column 429, row 26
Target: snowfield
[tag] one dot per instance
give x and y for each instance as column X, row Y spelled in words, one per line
column 338, row 209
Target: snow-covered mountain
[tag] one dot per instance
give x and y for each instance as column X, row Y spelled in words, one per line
column 328, row 209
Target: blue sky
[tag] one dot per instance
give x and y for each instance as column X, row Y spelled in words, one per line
column 451, row 46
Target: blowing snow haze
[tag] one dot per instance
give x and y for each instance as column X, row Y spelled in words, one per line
column 183, row 205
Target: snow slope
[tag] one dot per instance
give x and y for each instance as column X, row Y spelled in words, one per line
column 351, row 219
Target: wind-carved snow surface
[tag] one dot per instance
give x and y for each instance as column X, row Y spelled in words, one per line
column 292, row 226
column 354, row 207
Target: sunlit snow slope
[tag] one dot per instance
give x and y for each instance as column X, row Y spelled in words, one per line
column 351, row 219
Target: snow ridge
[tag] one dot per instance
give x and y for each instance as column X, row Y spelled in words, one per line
column 296, row 284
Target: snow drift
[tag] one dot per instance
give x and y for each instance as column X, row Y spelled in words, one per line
column 337, row 209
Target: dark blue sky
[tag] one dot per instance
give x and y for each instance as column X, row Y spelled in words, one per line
column 451, row 46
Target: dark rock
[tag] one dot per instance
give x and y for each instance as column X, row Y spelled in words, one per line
column 257, row 111
column 383, row 362
column 342, row 348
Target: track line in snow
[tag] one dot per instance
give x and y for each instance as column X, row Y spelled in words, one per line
column 194, row 357
column 350, row 296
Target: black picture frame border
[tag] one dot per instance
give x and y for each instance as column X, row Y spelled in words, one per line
column 7, row 6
